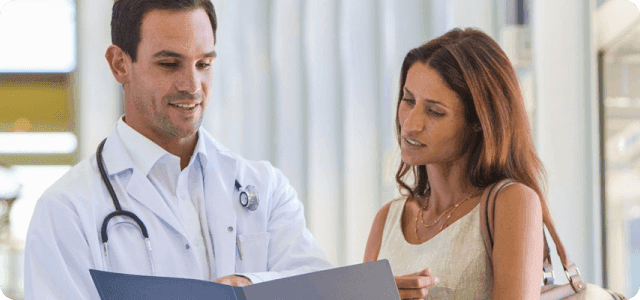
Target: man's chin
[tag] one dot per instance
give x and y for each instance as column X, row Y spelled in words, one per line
column 185, row 130
column 189, row 133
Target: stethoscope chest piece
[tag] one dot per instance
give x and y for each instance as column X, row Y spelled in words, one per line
column 248, row 197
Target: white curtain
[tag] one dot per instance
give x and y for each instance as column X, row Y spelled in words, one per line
column 311, row 86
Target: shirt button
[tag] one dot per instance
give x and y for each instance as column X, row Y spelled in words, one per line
column 186, row 246
column 230, row 229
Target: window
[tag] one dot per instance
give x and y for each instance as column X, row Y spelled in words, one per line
column 40, row 34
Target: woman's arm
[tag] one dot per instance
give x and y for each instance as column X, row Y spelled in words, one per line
column 411, row 286
column 517, row 250
column 375, row 235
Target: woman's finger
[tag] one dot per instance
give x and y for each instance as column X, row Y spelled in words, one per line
column 413, row 293
column 416, row 282
column 425, row 272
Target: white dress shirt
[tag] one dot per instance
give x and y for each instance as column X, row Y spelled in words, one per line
column 183, row 190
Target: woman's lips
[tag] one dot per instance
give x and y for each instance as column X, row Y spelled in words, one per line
column 413, row 142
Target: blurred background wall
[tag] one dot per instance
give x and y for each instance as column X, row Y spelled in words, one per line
column 311, row 85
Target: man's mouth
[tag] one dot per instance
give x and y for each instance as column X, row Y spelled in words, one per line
column 184, row 106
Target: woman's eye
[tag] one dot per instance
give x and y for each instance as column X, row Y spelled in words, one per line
column 436, row 113
column 409, row 101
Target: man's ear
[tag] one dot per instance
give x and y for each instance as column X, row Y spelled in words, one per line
column 119, row 62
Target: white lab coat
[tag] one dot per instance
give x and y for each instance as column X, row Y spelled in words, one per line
column 64, row 242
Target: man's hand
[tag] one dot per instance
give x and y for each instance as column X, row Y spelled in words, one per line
column 416, row 285
column 234, row 280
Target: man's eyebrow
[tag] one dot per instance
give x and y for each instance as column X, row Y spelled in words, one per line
column 213, row 54
column 167, row 53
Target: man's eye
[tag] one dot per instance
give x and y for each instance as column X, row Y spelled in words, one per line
column 168, row 65
column 204, row 65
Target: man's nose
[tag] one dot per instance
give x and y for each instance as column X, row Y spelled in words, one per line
column 189, row 81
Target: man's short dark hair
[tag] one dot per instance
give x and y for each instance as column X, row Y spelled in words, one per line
column 126, row 19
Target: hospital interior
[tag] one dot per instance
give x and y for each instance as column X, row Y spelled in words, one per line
column 311, row 86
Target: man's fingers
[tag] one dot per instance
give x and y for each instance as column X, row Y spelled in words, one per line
column 233, row 280
column 416, row 282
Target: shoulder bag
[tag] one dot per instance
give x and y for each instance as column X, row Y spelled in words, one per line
column 576, row 289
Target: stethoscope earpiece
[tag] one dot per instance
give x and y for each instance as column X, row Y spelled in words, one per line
column 248, row 196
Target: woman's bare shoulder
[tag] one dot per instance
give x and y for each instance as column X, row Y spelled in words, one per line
column 377, row 228
column 381, row 216
column 519, row 195
column 517, row 250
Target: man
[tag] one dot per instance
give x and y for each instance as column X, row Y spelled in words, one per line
column 182, row 184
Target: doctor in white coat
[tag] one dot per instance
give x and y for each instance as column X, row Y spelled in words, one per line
column 170, row 173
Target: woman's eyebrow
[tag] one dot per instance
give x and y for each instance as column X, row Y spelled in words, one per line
column 406, row 90
column 436, row 102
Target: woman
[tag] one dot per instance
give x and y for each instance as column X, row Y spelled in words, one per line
column 462, row 126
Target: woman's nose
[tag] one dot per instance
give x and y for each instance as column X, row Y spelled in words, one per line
column 415, row 121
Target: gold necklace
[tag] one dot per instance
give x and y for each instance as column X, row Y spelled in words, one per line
column 449, row 210
column 421, row 218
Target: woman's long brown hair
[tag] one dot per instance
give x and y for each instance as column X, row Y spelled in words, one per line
column 479, row 72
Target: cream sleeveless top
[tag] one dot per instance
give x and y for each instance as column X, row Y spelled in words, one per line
column 456, row 256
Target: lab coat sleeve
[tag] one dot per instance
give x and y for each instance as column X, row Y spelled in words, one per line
column 292, row 248
column 57, row 254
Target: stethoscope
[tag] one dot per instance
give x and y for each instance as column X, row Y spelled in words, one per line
column 248, row 198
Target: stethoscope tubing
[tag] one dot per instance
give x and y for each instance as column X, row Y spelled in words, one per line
column 119, row 211
column 248, row 193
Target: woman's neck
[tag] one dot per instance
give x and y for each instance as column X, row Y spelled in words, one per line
column 449, row 184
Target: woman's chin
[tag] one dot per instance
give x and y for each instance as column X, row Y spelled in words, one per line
column 413, row 161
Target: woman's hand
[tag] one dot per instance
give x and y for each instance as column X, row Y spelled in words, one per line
column 416, row 285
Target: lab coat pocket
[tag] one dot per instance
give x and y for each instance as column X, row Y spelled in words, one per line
column 252, row 252
column 127, row 251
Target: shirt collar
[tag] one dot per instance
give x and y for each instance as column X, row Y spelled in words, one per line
column 201, row 149
column 145, row 153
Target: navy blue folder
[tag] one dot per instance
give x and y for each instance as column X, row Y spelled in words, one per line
column 372, row 281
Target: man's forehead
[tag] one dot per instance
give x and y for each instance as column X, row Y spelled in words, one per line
column 176, row 23
column 177, row 33
column 168, row 53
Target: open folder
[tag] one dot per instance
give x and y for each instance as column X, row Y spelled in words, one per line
column 370, row 281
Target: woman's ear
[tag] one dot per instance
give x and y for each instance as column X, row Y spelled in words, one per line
column 119, row 62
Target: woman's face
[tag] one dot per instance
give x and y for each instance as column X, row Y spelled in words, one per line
column 433, row 129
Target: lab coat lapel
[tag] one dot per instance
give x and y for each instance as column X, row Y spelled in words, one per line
column 139, row 187
column 220, row 175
